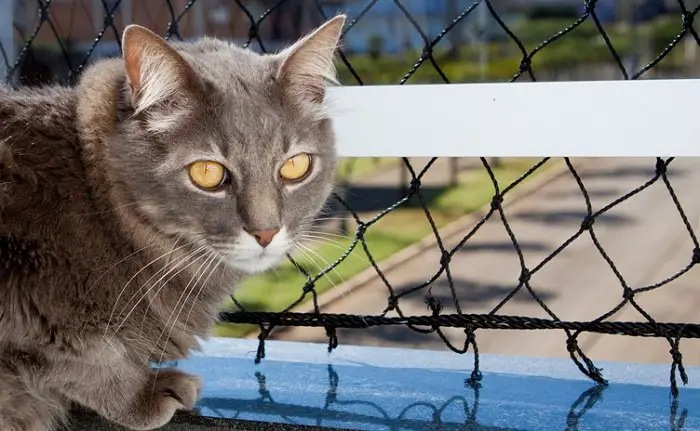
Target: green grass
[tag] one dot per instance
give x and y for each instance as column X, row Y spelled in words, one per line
column 351, row 168
column 397, row 230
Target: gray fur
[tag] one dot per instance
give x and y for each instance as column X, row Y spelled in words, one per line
column 87, row 201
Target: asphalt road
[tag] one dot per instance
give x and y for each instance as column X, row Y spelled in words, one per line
column 644, row 236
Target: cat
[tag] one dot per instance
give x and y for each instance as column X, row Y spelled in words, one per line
column 133, row 202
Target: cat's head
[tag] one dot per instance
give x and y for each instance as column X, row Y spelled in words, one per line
column 230, row 150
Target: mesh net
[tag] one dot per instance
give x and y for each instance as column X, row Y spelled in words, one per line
column 55, row 41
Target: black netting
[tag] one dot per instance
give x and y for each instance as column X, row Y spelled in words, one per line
column 52, row 50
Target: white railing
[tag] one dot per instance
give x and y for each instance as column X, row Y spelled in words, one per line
column 556, row 119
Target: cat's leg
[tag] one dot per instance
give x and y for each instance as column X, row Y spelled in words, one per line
column 141, row 399
column 24, row 407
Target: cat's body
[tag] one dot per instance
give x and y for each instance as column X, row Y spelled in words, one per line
column 62, row 242
column 106, row 262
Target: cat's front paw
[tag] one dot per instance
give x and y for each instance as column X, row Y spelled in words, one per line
column 181, row 387
column 168, row 391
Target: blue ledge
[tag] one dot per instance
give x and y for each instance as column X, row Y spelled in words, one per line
column 372, row 388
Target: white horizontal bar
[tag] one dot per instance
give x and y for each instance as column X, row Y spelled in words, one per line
column 555, row 119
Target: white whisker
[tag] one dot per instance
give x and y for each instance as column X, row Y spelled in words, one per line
column 309, row 258
column 344, row 248
column 349, row 218
column 325, row 240
column 163, row 272
column 320, row 270
column 206, row 280
column 209, row 259
column 328, row 265
column 320, row 232
column 122, row 261
column 189, row 256
column 116, row 301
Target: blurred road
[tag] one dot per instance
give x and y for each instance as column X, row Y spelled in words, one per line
column 644, row 236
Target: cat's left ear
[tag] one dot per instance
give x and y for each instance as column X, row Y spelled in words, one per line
column 308, row 64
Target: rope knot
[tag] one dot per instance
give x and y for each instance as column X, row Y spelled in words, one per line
column 415, row 185
column 309, row 285
column 264, row 333
column 392, row 303
column 253, row 32
column 445, row 259
column 677, row 364
column 676, row 355
column 174, row 29
column 525, row 64
column 332, row 338
column 474, row 380
column 587, row 222
column 687, row 19
column 696, row 256
column 496, row 202
column 471, row 336
column 525, row 276
column 433, row 304
column 628, row 293
column 660, row 167
column 360, row 231
column 477, row 376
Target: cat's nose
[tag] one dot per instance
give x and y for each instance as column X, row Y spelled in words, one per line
column 264, row 237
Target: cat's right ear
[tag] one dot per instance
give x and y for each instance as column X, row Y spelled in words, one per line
column 307, row 66
column 154, row 70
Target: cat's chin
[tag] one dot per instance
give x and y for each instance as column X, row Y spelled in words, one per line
column 255, row 265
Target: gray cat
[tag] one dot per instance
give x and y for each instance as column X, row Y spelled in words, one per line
column 131, row 204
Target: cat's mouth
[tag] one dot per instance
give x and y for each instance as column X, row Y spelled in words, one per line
column 248, row 256
column 256, row 264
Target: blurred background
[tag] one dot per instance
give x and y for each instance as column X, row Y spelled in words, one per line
column 383, row 44
column 397, row 42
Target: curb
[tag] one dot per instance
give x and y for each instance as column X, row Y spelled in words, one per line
column 447, row 233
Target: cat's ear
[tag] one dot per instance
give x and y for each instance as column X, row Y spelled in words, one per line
column 154, row 70
column 308, row 64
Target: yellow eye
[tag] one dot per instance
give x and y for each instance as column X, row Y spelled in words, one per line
column 296, row 168
column 207, row 174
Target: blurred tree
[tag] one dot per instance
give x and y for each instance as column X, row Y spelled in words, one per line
column 455, row 35
column 375, row 46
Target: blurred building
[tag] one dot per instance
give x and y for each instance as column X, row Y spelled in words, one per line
column 606, row 11
column 387, row 27
column 70, row 27
column 78, row 22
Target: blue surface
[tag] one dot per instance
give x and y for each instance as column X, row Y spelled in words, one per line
column 386, row 389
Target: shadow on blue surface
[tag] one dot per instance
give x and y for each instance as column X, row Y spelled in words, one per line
column 369, row 398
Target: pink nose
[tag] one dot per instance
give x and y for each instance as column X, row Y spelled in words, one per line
column 264, row 237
